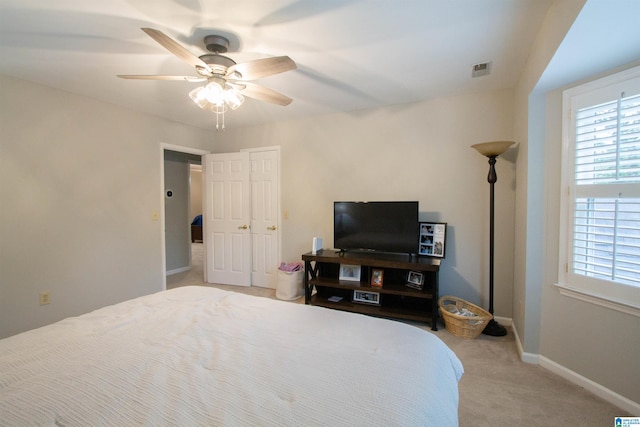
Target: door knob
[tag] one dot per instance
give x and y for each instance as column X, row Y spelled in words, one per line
column 272, row 228
column 243, row 227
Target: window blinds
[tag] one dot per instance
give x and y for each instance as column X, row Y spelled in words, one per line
column 608, row 142
column 606, row 236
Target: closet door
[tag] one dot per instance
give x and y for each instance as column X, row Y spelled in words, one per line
column 227, row 218
column 265, row 212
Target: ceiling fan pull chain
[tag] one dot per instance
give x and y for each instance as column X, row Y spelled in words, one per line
column 219, row 109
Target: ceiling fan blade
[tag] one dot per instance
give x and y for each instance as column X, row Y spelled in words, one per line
column 176, row 78
column 260, row 68
column 262, row 93
column 176, row 48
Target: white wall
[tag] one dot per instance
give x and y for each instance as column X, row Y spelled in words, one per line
column 410, row 152
column 79, row 181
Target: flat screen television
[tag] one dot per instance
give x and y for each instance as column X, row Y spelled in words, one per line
column 376, row 226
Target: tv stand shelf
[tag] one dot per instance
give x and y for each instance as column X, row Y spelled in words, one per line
column 396, row 299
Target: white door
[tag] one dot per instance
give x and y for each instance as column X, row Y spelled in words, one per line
column 226, row 219
column 265, row 210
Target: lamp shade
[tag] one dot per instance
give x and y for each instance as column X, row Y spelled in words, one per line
column 493, row 148
column 233, row 98
column 198, row 96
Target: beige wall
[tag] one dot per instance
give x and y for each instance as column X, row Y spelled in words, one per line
column 82, row 205
column 418, row 152
column 78, row 193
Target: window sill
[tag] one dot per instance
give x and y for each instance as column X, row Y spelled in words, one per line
column 596, row 299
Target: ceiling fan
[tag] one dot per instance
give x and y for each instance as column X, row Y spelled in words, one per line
column 227, row 81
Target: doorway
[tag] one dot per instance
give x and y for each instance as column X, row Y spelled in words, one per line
column 177, row 213
column 263, row 258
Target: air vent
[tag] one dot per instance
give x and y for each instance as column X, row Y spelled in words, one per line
column 480, row 70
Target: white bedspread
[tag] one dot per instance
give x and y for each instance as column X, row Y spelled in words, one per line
column 202, row 356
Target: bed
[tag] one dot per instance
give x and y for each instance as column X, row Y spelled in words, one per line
column 203, row 356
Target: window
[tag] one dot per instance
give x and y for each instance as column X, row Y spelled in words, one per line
column 600, row 238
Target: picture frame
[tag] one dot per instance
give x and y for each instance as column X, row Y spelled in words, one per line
column 432, row 239
column 349, row 272
column 415, row 280
column 366, row 297
column 377, row 276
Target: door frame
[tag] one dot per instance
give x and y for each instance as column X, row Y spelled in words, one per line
column 181, row 149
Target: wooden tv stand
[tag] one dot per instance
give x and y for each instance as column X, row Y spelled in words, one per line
column 396, row 300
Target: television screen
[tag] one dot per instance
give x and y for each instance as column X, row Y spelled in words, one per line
column 376, row 226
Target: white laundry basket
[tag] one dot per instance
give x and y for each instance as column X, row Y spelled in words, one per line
column 290, row 285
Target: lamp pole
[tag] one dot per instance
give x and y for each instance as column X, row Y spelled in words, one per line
column 493, row 328
column 492, row 150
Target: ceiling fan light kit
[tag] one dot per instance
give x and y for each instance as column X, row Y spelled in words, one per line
column 226, row 80
column 215, row 93
column 213, row 96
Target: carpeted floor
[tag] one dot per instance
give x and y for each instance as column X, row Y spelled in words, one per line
column 497, row 389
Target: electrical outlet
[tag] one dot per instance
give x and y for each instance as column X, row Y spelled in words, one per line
column 44, row 298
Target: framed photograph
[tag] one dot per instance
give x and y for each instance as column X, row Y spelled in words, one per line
column 366, row 297
column 349, row 272
column 432, row 239
column 415, row 280
column 376, row 277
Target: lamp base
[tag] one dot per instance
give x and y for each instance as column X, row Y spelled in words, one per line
column 494, row 329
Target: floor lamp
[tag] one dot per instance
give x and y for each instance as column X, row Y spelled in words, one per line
column 492, row 150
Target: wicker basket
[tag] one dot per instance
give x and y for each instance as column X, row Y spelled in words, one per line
column 463, row 326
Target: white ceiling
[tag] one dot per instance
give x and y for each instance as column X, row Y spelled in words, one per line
column 351, row 54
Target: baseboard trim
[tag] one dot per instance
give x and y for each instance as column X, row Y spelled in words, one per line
column 595, row 388
column 505, row 321
column 569, row 375
column 178, row 270
column 524, row 356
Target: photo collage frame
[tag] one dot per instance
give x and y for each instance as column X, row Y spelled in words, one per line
column 432, row 239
